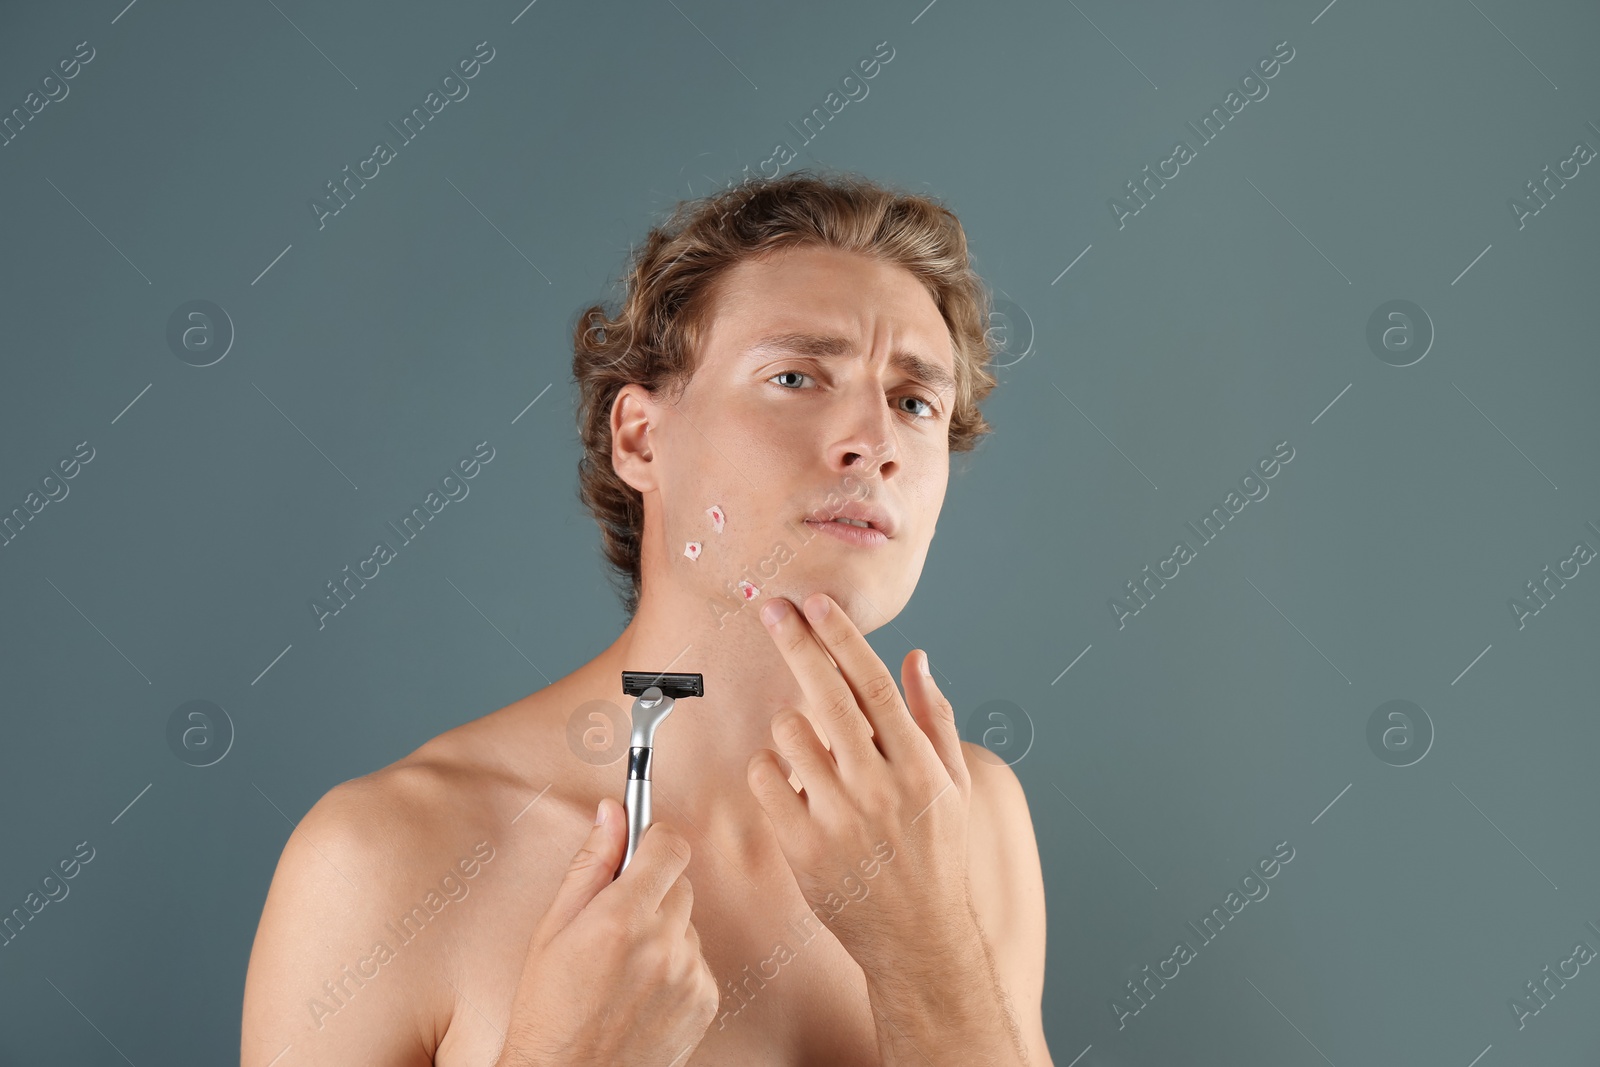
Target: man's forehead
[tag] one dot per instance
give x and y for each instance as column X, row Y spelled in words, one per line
column 823, row 291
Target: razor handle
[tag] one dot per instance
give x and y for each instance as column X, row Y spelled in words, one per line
column 637, row 802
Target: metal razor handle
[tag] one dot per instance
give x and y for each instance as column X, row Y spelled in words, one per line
column 637, row 802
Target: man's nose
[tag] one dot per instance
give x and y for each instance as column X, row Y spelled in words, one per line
column 869, row 444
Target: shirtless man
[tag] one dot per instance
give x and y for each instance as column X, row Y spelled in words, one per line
column 832, row 876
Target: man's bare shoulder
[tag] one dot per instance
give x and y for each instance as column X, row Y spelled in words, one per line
column 374, row 846
column 1008, row 889
column 509, row 766
column 1003, row 853
column 460, row 776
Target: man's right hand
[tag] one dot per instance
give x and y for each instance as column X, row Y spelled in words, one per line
column 614, row 972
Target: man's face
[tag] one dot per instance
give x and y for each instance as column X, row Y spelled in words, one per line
column 772, row 437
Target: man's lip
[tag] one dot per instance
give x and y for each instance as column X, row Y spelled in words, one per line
column 846, row 532
column 877, row 517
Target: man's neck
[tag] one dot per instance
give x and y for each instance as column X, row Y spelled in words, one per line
column 703, row 748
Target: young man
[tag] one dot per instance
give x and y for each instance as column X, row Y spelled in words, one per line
column 832, row 876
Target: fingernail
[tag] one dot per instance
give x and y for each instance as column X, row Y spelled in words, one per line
column 773, row 610
column 922, row 665
column 600, row 813
column 817, row 608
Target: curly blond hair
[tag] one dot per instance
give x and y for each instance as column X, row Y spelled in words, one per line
column 664, row 316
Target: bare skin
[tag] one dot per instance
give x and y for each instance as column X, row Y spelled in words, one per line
column 752, row 437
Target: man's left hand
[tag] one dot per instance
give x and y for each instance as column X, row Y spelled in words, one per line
column 877, row 834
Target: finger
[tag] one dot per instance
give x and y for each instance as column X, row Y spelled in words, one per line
column 677, row 905
column 589, row 872
column 866, row 676
column 697, row 953
column 691, row 941
column 788, row 811
column 936, row 717
column 826, row 690
column 662, row 855
column 798, row 743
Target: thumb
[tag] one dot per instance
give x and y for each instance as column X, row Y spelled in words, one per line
column 592, row 868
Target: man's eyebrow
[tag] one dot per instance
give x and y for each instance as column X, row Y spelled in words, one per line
column 822, row 346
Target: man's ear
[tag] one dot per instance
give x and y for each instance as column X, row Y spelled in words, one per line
column 633, row 412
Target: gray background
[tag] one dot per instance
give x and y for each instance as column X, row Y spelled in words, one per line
column 1228, row 315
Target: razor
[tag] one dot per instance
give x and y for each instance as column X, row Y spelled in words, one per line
column 654, row 696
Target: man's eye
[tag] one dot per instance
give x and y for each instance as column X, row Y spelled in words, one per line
column 932, row 411
column 783, row 373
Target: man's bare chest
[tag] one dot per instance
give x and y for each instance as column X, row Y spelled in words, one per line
column 790, row 995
